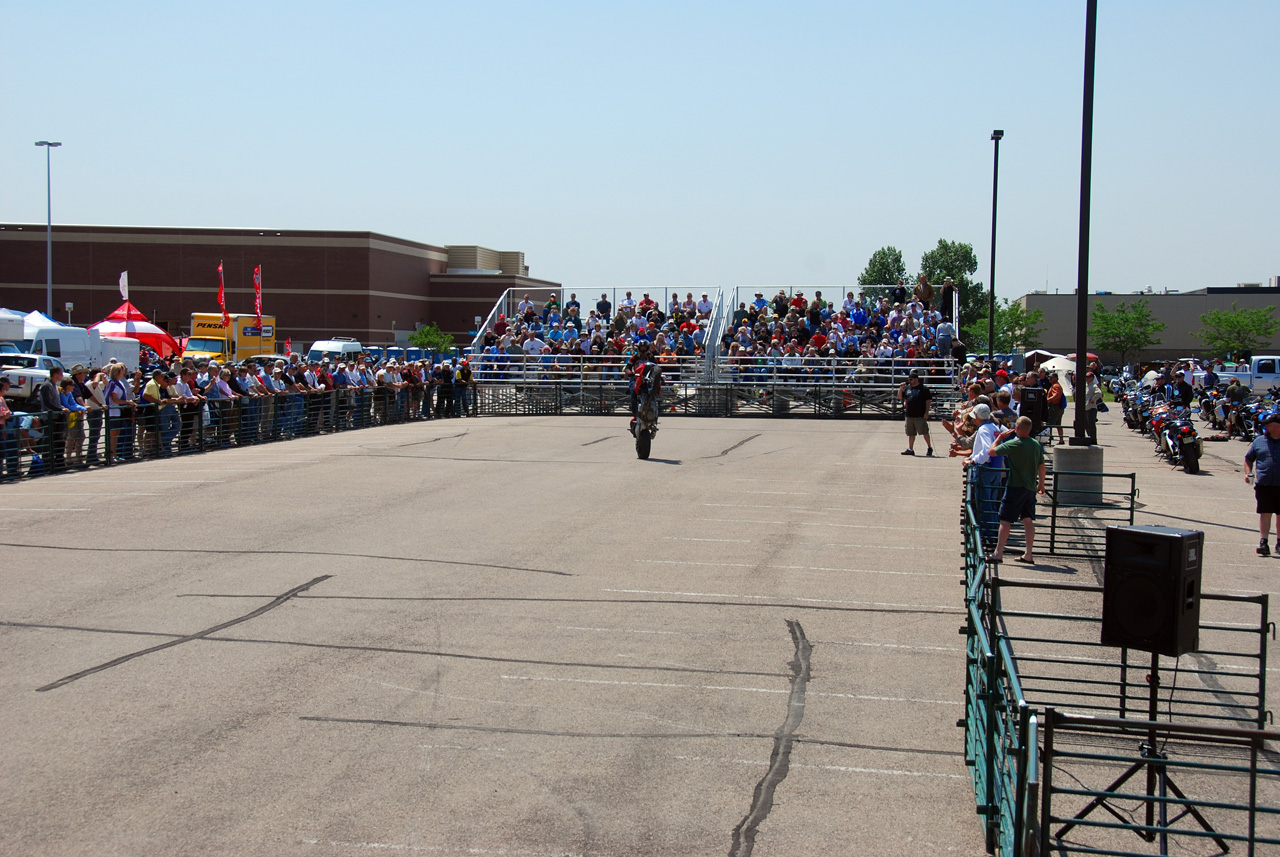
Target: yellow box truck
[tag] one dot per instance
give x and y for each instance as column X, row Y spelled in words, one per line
column 242, row 338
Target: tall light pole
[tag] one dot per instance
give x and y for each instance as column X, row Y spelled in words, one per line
column 48, row 235
column 1081, row 435
column 997, row 136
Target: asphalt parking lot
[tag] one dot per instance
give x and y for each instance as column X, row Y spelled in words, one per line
column 510, row 636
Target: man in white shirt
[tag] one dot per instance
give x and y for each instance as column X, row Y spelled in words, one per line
column 990, row 472
column 704, row 307
column 627, row 305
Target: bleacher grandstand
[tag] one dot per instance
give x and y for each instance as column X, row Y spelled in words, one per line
column 528, row 357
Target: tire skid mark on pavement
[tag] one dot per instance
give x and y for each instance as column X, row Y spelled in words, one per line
column 253, row 614
column 260, row 552
column 744, row 834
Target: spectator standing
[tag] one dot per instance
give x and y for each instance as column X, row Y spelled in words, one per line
column 48, row 397
column 915, row 396
column 1056, row 401
column 8, row 436
column 1092, row 396
column 1025, row 457
column 1262, row 468
column 990, row 476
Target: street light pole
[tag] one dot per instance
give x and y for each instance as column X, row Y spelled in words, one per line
column 48, row 235
column 991, row 308
column 1081, row 437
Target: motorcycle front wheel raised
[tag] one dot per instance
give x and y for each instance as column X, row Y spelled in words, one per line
column 643, row 442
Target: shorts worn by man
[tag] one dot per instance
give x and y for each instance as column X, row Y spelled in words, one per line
column 915, row 398
column 1024, row 456
column 1262, row 464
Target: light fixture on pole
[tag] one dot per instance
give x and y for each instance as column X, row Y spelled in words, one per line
column 996, row 136
column 70, row 307
column 48, row 236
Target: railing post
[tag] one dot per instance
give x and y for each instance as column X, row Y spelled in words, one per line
column 1046, row 781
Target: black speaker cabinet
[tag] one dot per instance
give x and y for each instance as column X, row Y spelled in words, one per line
column 1151, row 589
column 1033, row 406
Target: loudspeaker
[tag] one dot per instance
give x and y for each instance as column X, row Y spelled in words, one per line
column 1033, row 405
column 1151, row 589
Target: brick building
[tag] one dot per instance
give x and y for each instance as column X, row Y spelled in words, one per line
column 317, row 284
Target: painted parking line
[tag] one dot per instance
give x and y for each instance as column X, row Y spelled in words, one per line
column 951, row 608
column 899, row 772
column 852, row 643
column 790, row 523
column 729, row 689
column 793, row 567
column 39, row 509
column 954, row 550
column 690, row 539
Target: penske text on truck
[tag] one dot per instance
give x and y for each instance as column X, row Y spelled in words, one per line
column 242, row 338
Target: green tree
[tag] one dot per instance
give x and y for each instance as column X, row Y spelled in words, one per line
column 884, row 268
column 1237, row 332
column 1126, row 329
column 1016, row 329
column 431, row 338
column 957, row 260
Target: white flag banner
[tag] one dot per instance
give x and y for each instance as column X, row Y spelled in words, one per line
column 124, row 285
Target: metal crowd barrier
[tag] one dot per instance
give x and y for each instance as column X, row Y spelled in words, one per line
column 39, row 443
column 1035, row 665
column 1078, row 514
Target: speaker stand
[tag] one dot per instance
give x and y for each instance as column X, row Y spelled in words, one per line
column 1159, row 784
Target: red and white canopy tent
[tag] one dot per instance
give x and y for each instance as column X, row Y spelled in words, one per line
column 128, row 321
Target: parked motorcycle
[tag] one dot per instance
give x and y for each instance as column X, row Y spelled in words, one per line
column 1176, row 437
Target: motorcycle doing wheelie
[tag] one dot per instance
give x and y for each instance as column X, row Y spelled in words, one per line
column 646, row 392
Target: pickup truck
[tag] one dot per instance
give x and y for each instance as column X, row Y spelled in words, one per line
column 26, row 372
column 1259, row 374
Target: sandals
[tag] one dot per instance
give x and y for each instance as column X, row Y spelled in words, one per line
column 1024, row 560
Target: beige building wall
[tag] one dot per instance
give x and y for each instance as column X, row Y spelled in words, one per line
column 1179, row 312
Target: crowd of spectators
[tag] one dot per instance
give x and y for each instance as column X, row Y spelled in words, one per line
column 110, row 415
column 901, row 325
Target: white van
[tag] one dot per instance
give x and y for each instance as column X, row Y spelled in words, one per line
column 74, row 345
column 339, row 348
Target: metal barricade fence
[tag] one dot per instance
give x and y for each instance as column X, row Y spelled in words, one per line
column 37, row 443
column 1080, row 506
column 1028, row 661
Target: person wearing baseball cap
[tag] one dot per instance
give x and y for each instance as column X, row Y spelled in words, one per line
column 915, row 397
column 1262, row 467
column 989, row 475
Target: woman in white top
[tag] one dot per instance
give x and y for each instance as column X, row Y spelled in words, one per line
column 120, row 410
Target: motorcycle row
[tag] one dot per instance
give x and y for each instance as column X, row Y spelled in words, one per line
column 1170, row 425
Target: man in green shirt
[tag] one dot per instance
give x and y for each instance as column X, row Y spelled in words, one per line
column 1025, row 459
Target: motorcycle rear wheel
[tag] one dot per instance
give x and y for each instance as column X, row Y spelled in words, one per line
column 643, row 441
column 1190, row 458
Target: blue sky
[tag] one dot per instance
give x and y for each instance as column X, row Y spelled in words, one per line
column 667, row 143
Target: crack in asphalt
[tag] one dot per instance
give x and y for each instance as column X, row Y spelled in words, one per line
column 744, row 835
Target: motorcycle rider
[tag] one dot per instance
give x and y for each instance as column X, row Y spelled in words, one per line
column 1235, row 395
column 637, row 368
column 1182, row 390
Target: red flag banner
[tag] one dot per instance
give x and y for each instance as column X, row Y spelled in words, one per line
column 257, row 295
column 222, row 298
column 288, row 346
